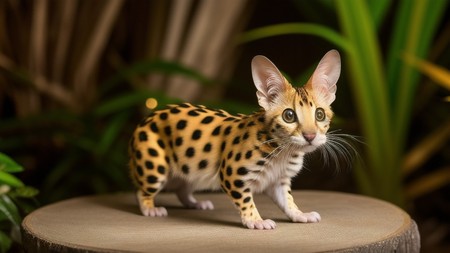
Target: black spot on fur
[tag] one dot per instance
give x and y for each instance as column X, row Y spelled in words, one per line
column 163, row 116
column 216, row 131
column 161, row 169
column 230, row 119
column 152, row 152
column 185, row 169
column 190, row 152
column 249, row 154
column 185, row 105
column 207, row 120
column 197, row 134
column 222, row 147
column 193, row 113
column 138, row 154
column 179, row 141
column 230, row 154
column 227, row 184
column 242, row 171
column 181, row 124
column 152, row 179
column 151, row 190
column 149, row 165
column 207, row 147
column 175, row 110
column 220, row 114
column 241, row 125
column 161, row 143
column 237, row 157
column 245, row 136
column 142, row 136
column 247, row 199
column 139, row 171
column 154, row 127
column 236, row 195
column 167, row 130
column 236, row 140
column 229, row 171
column 203, row 164
column 251, row 123
column 238, row 183
column 227, row 130
column 261, row 163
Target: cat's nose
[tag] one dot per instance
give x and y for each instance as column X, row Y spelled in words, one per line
column 309, row 137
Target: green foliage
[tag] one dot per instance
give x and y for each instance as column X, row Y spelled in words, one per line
column 16, row 200
column 383, row 91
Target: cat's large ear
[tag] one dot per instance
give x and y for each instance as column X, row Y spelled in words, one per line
column 323, row 80
column 268, row 80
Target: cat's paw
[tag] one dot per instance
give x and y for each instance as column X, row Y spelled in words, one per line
column 299, row 216
column 154, row 211
column 204, row 205
column 260, row 224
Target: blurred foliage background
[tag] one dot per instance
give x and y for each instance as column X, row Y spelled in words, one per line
column 75, row 76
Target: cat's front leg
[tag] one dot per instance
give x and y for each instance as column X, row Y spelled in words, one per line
column 242, row 198
column 281, row 195
column 250, row 215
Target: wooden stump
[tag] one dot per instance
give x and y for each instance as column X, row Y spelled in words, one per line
column 112, row 223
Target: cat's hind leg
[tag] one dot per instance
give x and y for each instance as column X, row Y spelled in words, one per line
column 185, row 195
column 150, row 170
column 147, row 205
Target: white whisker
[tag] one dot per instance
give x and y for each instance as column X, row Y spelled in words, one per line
column 338, row 149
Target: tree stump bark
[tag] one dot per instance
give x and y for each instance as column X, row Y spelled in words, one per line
column 113, row 223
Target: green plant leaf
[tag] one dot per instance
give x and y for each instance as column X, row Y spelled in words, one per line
column 9, row 209
column 111, row 132
column 5, row 242
column 414, row 30
column 371, row 94
column 438, row 74
column 25, row 192
column 296, row 28
column 378, row 10
column 10, row 180
column 9, row 165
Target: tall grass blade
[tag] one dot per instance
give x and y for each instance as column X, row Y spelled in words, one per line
column 296, row 28
column 368, row 84
column 414, row 30
column 438, row 74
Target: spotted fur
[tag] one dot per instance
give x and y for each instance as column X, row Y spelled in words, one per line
column 188, row 147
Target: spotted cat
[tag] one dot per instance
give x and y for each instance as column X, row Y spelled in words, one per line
column 187, row 147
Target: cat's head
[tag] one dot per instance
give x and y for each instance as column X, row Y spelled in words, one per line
column 299, row 115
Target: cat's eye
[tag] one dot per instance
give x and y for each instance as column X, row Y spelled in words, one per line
column 320, row 114
column 289, row 116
